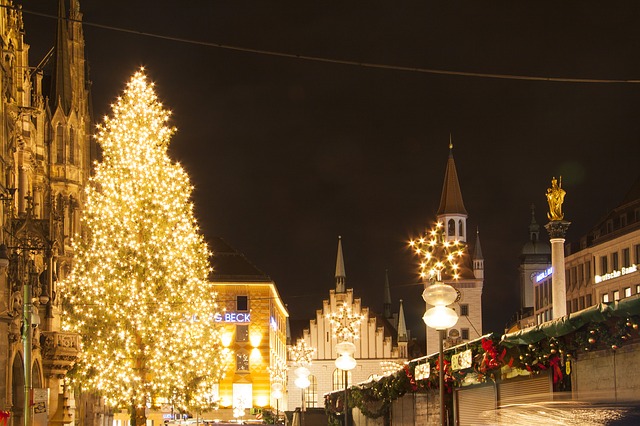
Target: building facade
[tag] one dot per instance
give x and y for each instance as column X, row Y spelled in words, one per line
column 46, row 155
column 381, row 339
column 254, row 331
column 453, row 215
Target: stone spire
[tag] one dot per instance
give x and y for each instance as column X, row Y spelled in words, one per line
column 61, row 90
column 340, row 274
column 452, row 212
column 402, row 325
column 387, row 296
column 534, row 228
column 478, row 260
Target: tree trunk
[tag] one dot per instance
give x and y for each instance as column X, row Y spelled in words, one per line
column 138, row 415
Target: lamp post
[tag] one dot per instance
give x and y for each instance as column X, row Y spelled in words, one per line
column 29, row 236
column 345, row 362
column 437, row 255
column 278, row 376
column 301, row 355
column 346, row 327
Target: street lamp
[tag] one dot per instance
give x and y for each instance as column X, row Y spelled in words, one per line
column 437, row 255
column 345, row 362
column 301, row 355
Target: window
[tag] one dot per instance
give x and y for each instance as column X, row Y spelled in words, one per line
column 311, row 393
column 615, row 263
column 604, row 265
column 589, row 301
column 626, row 257
column 580, row 273
column 605, row 298
column 636, row 252
column 242, row 303
column 461, row 228
column 242, row 333
column 59, row 144
column 242, row 361
column 338, row 379
column 581, row 304
column 575, row 305
column 627, row 292
column 587, row 270
column 464, row 310
column 623, row 220
column 464, row 333
column 242, row 394
column 638, row 289
column 616, row 295
column 451, row 227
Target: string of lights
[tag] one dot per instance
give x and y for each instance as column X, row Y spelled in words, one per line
column 338, row 61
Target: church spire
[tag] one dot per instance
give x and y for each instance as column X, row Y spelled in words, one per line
column 61, row 84
column 387, row 296
column 452, row 212
column 478, row 260
column 340, row 274
column 402, row 325
column 534, row 228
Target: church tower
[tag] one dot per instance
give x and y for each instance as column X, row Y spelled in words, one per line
column 341, row 275
column 453, row 215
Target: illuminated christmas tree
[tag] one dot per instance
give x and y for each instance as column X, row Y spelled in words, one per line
column 138, row 292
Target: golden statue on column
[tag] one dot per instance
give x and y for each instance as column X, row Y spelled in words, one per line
column 555, row 197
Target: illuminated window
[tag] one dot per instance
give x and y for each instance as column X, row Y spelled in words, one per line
column 242, row 303
column 616, row 295
column 464, row 310
column 60, row 144
column 338, row 379
column 242, row 361
column 311, row 393
column 605, row 298
column 627, row 292
column 242, row 333
column 72, row 148
column 242, row 395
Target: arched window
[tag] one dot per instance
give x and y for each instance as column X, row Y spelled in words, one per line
column 338, row 379
column 72, row 148
column 451, row 228
column 461, row 227
column 60, row 144
column 311, row 393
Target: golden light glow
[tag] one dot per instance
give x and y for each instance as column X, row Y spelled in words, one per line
column 301, row 354
column 262, row 401
column 226, row 338
column 138, row 293
column 255, row 338
column 255, row 357
column 345, row 324
column 437, row 255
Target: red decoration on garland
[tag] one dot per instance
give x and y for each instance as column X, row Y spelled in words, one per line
column 554, row 363
column 4, row 417
column 412, row 380
column 491, row 358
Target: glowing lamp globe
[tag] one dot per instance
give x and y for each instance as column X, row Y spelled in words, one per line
column 277, row 394
column 440, row 317
column 302, row 372
column 277, row 386
column 439, row 294
column 302, row 382
column 345, row 348
column 345, row 362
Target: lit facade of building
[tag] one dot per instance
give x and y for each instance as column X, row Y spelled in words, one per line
column 254, row 323
column 45, row 161
column 382, row 338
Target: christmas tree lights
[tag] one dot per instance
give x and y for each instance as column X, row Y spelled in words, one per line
column 138, row 292
column 437, row 254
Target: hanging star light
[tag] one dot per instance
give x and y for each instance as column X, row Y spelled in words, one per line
column 345, row 324
column 438, row 255
column 301, row 354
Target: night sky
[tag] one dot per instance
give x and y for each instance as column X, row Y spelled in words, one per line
column 287, row 154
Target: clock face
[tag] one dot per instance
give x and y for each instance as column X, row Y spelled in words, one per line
column 458, row 297
column 534, row 275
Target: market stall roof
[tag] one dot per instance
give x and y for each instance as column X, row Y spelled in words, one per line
column 572, row 322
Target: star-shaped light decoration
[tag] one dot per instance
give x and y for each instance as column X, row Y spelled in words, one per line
column 345, row 324
column 301, row 354
column 438, row 255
